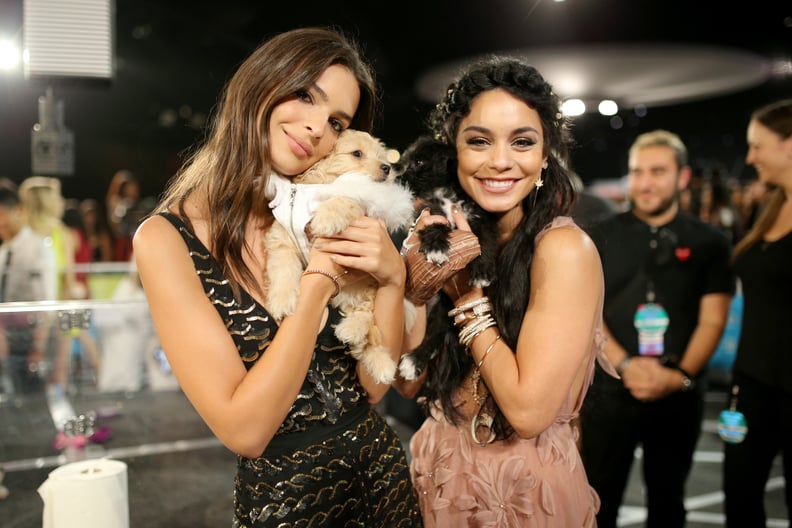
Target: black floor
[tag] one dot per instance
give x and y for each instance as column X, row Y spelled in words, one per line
column 180, row 476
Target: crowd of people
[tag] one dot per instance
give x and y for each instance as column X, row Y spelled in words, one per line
column 53, row 249
column 519, row 427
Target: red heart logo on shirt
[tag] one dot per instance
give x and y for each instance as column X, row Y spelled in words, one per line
column 682, row 253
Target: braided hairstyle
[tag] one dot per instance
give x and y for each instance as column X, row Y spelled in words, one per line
column 511, row 288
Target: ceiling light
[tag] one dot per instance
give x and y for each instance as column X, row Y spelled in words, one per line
column 9, row 55
column 634, row 74
column 607, row 107
column 573, row 107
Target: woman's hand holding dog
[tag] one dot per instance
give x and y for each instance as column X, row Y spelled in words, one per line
column 458, row 285
column 364, row 249
column 425, row 278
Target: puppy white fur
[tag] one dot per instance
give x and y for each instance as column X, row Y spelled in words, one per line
column 354, row 180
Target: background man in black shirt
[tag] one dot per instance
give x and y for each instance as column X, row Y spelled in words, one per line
column 668, row 286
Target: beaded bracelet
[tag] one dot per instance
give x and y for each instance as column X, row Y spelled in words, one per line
column 329, row 276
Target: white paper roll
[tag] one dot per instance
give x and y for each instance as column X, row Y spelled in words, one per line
column 86, row 494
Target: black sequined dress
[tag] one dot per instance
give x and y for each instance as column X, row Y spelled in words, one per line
column 334, row 461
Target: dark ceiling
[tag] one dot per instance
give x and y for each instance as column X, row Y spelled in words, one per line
column 173, row 57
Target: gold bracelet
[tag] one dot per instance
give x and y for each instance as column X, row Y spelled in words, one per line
column 329, row 276
column 486, row 352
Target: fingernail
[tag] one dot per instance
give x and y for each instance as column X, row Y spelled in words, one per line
column 454, row 209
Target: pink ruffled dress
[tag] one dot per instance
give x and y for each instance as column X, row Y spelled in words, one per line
column 512, row 483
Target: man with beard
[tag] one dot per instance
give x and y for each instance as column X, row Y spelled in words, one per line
column 668, row 285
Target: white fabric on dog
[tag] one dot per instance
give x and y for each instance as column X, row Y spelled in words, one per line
column 294, row 204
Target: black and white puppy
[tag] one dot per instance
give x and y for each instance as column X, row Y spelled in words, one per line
column 428, row 168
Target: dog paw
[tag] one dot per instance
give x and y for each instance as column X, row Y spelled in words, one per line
column 480, row 282
column 333, row 216
column 407, row 367
column 379, row 364
column 435, row 257
column 354, row 327
column 281, row 304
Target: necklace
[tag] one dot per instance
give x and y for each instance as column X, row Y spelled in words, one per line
column 475, row 381
column 481, row 418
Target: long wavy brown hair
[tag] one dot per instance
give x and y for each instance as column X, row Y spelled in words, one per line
column 228, row 172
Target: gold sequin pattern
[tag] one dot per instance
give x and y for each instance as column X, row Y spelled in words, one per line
column 355, row 479
column 358, row 478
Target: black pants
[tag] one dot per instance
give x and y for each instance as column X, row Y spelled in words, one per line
column 746, row 466
column 613, row 424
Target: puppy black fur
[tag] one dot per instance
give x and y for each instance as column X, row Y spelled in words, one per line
column 428, row 168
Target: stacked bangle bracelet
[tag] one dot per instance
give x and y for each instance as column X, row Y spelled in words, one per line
column 473, row 318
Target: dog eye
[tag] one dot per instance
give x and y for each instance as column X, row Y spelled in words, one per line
column 357, row 153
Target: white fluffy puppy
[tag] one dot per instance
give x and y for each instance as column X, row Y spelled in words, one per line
column 354, row 180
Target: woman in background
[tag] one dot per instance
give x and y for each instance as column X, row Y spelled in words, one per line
column 762, row 371
column 44, row 203
column 94, row 218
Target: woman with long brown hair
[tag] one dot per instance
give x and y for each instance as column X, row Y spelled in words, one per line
column 284, row 395
column 762, row 372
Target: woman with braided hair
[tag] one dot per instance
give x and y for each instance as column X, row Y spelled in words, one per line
column 500, row 445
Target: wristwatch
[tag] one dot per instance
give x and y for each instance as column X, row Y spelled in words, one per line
column 688, row 383
column 622, row 365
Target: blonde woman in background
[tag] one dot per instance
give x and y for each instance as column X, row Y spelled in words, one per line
column 44, row 203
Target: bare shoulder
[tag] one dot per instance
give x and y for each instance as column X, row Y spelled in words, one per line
column 566, row 263
column 163, row 261
column 154, row 233
column 567, row 244
column 158, row 245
